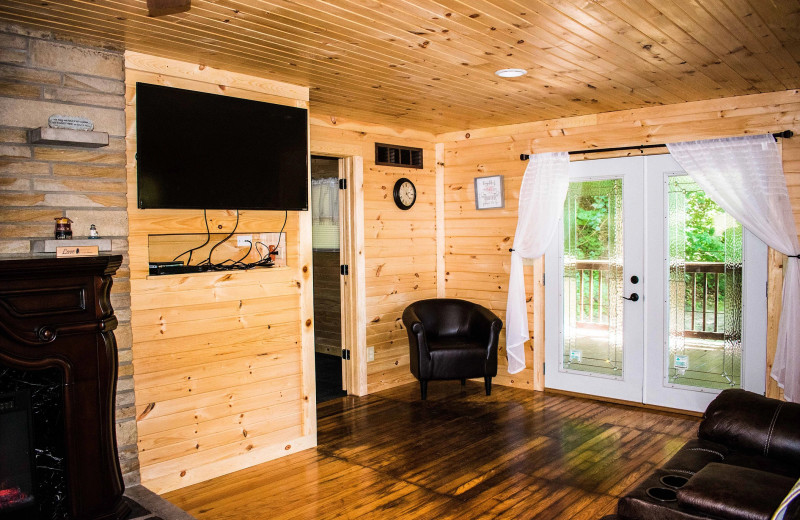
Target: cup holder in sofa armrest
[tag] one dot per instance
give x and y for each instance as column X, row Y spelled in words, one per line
column 674, row 481
column 662, row 494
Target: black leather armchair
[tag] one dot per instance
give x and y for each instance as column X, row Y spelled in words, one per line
column 452, row 339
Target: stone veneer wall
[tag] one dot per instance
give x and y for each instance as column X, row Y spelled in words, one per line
column 41, row 75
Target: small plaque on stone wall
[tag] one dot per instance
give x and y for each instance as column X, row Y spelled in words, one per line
column 70, row 123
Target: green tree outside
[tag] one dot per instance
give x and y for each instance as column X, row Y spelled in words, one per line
column 703, row 244
column 703, row 241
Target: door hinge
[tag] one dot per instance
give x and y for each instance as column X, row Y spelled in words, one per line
column 346, row 354
column 544, row 368
column 344, row 269
column 544, row 279
column 342, row 184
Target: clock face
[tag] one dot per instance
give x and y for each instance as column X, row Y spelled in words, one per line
column 405, row 194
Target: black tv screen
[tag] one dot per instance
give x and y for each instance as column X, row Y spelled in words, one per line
column 206, row 151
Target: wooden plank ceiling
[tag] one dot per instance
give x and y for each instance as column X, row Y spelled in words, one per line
column 429, row 64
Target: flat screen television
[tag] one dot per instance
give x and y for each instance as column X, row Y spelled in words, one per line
column 205, row 151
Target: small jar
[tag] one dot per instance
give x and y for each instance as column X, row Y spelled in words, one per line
column 63, row 228
column 93, row 232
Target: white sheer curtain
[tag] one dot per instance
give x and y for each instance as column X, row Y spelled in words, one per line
column 325, row 214
column 541, row 204
column 744, row 175
column 325, row 200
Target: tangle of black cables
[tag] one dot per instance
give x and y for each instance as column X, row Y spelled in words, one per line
column 263, row 261
column 208, row 239
column 277, row 246
column 207, row 261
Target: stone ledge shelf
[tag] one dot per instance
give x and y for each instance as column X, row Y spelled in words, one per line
column 49, row 245
column 67, row 137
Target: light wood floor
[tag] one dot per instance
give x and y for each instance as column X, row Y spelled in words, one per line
column 516, row 454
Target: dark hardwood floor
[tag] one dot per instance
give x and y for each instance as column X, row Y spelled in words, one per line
column 460, row 454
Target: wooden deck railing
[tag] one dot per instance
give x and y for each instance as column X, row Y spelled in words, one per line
column 592, row 293
column 705, row 286
column 704, row 283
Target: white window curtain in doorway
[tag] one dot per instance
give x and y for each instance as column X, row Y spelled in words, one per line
column 325, row 214
column 541, row 205
column 325, row 200
column 744, row 175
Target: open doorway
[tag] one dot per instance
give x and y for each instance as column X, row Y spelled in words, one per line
column 326, row 233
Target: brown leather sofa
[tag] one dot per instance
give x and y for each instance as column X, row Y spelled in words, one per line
column 451, row 339
column 743, row 463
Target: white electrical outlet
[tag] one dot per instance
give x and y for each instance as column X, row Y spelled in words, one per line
column 244, row 240
column 370, row 353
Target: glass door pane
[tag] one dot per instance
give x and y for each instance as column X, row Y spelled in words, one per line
column 595, row 262
column 592, row 278
column 705, row 291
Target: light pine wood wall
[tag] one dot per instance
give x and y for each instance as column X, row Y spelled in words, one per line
column 477, row 242
column 223, row 362
column 399, row 246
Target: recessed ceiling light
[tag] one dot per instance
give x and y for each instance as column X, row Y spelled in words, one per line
column 511, row 73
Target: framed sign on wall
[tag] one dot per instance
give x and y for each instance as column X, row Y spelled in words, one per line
column 489, row 192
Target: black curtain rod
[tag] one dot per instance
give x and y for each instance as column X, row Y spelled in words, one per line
column 786, row 134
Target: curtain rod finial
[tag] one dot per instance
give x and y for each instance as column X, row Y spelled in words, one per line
column 524, row 157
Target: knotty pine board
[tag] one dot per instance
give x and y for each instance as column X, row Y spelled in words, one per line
column 430, row 65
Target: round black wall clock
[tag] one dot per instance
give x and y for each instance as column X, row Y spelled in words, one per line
column 405, row 193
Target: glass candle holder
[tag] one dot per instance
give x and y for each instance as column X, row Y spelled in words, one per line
column 63, row 228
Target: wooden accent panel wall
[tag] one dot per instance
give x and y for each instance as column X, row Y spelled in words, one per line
column 223, row 362
column 327, row 303
column 477, row 242
column 399, row 246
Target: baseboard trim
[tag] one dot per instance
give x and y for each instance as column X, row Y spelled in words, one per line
column 626, row 403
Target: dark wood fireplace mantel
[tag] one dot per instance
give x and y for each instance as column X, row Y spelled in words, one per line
column 57, row 313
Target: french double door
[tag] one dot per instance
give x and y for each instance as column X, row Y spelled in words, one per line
column 654, row 294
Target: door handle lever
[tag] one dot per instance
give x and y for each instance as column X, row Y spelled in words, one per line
column 633, row 297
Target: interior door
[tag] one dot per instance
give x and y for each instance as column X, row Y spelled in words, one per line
column 697, row 322
column 594, row 328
